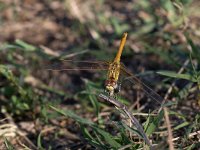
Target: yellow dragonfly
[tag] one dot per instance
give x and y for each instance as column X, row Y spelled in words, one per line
column 115, row 70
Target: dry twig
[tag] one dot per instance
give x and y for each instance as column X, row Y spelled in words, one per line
column 132, row 118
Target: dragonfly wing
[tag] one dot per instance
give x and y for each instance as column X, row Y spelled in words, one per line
column 133, row 80
column 65, row 65
column 84, row 61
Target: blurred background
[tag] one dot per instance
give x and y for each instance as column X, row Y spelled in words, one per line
column 163, row 36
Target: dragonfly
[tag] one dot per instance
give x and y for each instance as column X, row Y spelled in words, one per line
column 115, row 69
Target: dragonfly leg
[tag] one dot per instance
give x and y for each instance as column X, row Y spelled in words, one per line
column 117, row 88
column 109, row 93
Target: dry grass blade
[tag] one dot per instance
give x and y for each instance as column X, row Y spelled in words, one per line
column 8, row 130
column 170, row 135
column 49, row 51
column 191, row 135
column 12, row 129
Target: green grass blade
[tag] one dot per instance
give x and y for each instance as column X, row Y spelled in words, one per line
column 25, row 46
column 39, row 141
column 176, row 75
column 72, row 115
column 181, row 125
column 8, row 145
column 108, row 138
column 153, row 122
column 91, row 139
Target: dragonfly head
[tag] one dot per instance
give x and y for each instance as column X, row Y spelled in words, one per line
column 110, row 87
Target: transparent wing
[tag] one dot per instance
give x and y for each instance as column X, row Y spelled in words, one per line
column 65, row 65
column 147, row 90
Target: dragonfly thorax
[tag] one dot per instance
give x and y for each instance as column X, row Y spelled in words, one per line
column 114, row 71
column 111, row 84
